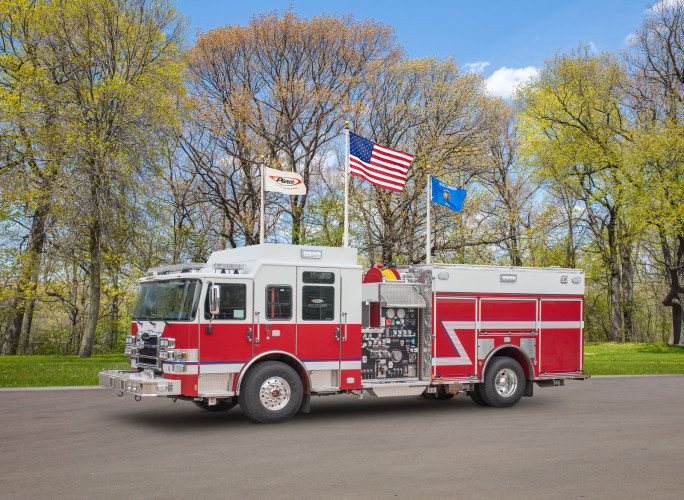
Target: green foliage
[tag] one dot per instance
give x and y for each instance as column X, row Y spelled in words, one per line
column 45, row 371
column 632, row 359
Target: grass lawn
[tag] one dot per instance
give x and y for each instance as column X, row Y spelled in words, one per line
column 630, row 359
column 41, row 371
column 599, row 359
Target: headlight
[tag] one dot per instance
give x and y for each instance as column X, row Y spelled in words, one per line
column 130, row 351
column 178, row 355
column 164, row 355
column 129, row 339
column 167, row 343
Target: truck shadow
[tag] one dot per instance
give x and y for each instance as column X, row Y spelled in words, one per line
column 185, row 416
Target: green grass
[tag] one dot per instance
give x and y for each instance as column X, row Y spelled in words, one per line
column 42, row 371
column 632, row 359
column 599, row 359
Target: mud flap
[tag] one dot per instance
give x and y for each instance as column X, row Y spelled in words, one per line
column 306, row 404
column 529, row 389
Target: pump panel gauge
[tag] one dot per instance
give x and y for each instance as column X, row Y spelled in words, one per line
column 389, row 313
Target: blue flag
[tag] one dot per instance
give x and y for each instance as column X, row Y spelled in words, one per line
column 448, row 196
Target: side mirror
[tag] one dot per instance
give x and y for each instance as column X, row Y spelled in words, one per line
column 214, row 300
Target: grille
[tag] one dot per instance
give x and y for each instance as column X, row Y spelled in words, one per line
column 147, row 355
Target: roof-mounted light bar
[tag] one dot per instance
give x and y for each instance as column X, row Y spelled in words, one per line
column 229, row 267
column 176, row 268
column 308, row 253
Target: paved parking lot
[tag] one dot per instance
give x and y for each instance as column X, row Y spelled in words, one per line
column 603, row 438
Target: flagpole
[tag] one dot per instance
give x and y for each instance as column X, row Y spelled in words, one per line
column 346, row 185
column 428, row 236
column 263, row 202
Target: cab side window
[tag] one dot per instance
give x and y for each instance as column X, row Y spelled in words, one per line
column 318, row 300
column 233, row 302
column 278, row 302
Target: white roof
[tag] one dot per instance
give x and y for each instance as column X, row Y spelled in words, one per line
column 285, row 255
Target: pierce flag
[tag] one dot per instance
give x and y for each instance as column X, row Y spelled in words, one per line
column 448, row 196
column 283, row 182
column 384, row 167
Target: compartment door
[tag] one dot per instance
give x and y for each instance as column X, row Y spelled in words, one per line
column 455, row 337
column 561, row 336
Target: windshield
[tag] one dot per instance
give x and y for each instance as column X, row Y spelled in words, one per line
column 172, row 300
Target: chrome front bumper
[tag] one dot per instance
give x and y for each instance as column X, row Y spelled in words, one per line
column 145, row 383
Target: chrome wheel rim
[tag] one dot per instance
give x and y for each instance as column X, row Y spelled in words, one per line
column 506, row 382
column 275, row 393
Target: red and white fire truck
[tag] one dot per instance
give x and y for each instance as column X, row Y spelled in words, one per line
column 268, row 326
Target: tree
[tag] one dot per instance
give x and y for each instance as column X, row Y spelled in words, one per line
column 278, row 87
column 120, row 60
column 575, row 132
column 427, row 107
column 33, row 151
column 657, row 97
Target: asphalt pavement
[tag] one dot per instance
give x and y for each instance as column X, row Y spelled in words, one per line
column 606, row 437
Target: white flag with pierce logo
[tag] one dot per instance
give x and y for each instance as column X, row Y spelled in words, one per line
column 283, row 182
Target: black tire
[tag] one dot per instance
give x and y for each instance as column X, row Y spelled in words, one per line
column 504, row 383
column 440, row 395
column 221, row 405
column 475, row 395
column 271, row 392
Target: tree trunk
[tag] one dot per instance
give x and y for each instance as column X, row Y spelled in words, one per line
column 627, row 291
column 676, row 337
column 86, row 349
column 26, row 327
column 28, row 276
column 10, row 341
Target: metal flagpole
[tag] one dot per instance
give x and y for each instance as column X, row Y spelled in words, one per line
column 428, row 236
column 346, row 185
column 263, row 202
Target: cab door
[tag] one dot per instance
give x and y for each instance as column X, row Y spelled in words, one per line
column 225, row 341
column 319, row 325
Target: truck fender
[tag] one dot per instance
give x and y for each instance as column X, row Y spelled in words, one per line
column 283, row 357
column 512, row 351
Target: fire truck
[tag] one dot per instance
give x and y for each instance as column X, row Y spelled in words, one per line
column 268, row 326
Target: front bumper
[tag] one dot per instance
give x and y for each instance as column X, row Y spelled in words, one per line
column 145, row 383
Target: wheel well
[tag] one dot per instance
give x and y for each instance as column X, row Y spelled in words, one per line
column 282, row 357
column 517, row 354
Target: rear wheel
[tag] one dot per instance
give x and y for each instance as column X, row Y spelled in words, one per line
column 271, row 392
column 221, row 405
column 504, row 383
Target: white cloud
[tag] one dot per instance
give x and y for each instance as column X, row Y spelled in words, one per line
column 504, row 80
column 475, row 67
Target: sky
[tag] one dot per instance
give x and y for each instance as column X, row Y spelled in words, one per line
column 506, row 41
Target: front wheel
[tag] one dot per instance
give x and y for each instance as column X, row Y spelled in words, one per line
column 271, row 392
column 504, row 383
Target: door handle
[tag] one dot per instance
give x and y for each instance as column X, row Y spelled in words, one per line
column 337, row 333
column 344, row 339
column 257, row 335
column 249, row 334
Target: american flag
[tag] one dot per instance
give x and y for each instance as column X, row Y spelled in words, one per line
column 379, row 165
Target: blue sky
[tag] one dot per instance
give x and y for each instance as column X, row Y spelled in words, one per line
column 506, row 41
